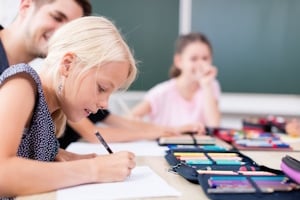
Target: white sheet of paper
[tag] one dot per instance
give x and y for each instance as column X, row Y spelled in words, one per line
column 139, row 148
column 142, row 183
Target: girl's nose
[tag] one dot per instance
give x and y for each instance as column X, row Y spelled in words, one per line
column 102, row 104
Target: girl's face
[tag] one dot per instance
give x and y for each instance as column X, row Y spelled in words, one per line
column 92, row 91
column 192, row 58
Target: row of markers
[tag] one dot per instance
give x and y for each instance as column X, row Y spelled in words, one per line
column 242, row 181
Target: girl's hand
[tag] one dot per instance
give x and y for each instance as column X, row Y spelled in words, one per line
column 192, row 128
column 206, row 74
column 293, row 128
column 113, row 167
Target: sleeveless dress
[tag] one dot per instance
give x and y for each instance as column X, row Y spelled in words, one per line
column 38, row 140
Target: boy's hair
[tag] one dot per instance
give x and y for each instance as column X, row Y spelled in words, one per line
column 181, row 43
column 84, row 4
column 95, row 41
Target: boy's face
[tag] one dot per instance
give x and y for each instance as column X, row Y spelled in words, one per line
column 40, row 23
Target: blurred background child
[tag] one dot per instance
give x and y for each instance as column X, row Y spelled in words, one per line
column 191, row 95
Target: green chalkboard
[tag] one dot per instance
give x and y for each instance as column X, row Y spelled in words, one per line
column 150, row 28
column 256, row 43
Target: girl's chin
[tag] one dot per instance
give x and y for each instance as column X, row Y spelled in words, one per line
column 75, row 119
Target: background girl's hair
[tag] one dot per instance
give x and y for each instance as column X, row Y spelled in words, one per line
column 94, row 41
column 182, row 42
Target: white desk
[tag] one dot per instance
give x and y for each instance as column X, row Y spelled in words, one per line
column 188, row 190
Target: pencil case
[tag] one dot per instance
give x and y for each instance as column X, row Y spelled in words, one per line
column 189, row 163
column 251, row 140
column 291, row 167
column 262, row 144
column 254, row 177
column 187, row 139
column 259, row 125
column 265, row 124
column 224, row 134
column 249, row 187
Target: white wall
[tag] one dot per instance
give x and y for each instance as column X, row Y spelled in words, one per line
column 185, row 12
column 8, row 11
column 234, row 106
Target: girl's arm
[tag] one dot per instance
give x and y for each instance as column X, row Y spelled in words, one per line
column 120, row 129
column 64, row 155
column 141, row 110
column 211, row 107
column 19, row 176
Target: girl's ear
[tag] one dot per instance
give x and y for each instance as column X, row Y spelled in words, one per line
column 177, row 61
column 67, row 63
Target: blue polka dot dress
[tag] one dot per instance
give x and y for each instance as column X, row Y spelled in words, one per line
column 38, row 140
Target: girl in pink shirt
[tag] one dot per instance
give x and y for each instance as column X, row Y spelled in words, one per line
column 191, row 96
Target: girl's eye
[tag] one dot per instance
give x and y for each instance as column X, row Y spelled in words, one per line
column 194, row 58
column 57, row 18
column 101, row 89
column 205, row 58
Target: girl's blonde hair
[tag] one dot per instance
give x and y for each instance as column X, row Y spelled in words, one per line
column 95, row 41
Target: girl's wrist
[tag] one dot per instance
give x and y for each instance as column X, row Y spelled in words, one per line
column 206, row 85
column 91, row 172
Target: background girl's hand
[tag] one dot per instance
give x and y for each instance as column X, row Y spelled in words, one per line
column 293, row 128
column 194, row 128
column 206, row 74
column 113, row 167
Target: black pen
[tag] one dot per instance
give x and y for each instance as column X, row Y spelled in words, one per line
column 101, row 139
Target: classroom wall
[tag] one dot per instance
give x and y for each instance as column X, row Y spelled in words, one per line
column 150, row 27
column 256, row 43
column 8, row 11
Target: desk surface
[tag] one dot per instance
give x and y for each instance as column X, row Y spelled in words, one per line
column 188, row 190
column 160, row 166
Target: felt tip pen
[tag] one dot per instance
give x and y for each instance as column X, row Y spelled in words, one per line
column 199, row 162
column 101, row 139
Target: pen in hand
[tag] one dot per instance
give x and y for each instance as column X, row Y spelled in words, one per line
column 101, row 139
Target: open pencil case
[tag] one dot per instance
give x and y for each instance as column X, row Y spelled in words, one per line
column 291, row 167
column 187, row 139
column 251, row 140
column 251, row 177
column 265, row 124
column 249, row 187
column 189, row 162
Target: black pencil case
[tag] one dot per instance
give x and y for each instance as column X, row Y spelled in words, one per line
column 268, row 124
column 257, row 190
column 291, row 167
column 190, row 171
